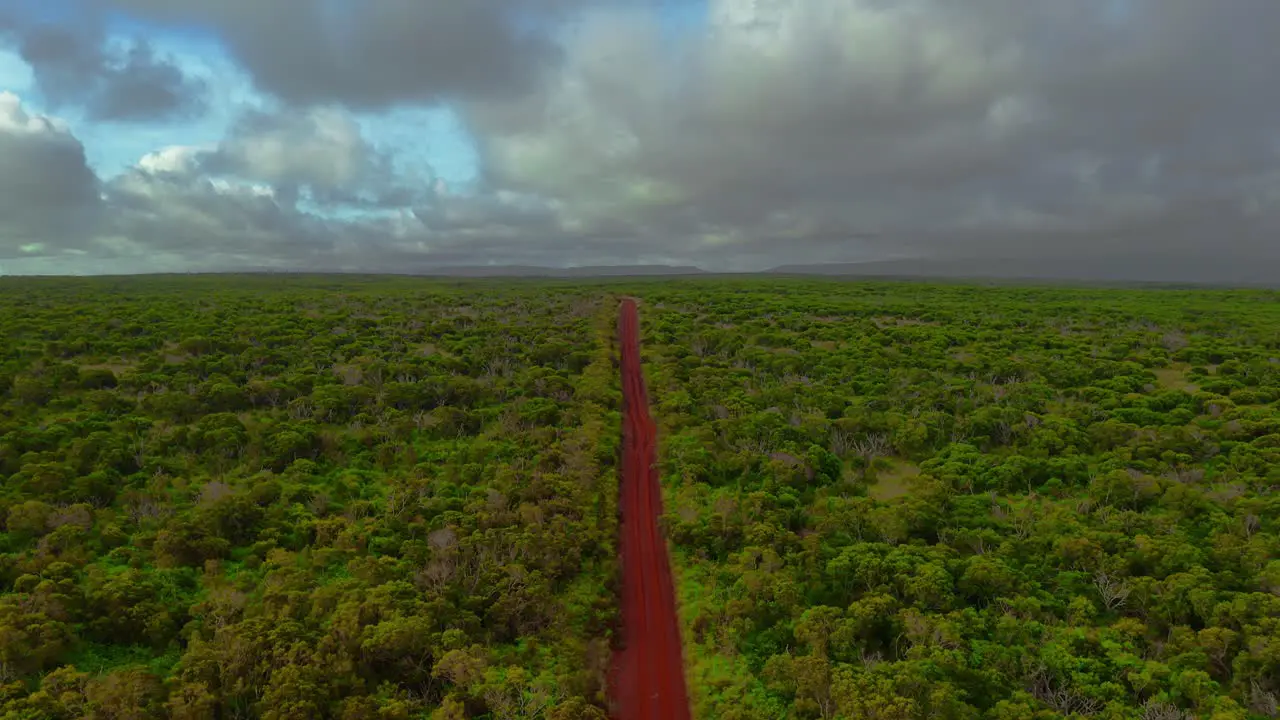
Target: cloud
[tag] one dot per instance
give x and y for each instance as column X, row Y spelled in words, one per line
column 1117, row 135
column 48, row 195
column 173, row 206
column 119, row 81
column 266, row 197
column 207, row 222
column 792, row 109
column 502, row 213
column 825, row 129
column 320, row 154
column 372, row 54
column 257, row 199
column 294, row 189
column 166, row 208
column 321, row 150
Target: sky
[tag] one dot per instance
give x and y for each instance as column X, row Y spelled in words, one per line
column 1104, row 136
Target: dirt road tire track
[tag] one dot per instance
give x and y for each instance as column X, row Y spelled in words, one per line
column 648, row 678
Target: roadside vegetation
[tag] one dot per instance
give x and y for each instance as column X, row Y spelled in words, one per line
column 901, row 501
column 373, row 498
column 304, row 498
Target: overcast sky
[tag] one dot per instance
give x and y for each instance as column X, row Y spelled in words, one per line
column 161, row 135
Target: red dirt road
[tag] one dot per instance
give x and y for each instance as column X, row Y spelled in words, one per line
column 648, row 682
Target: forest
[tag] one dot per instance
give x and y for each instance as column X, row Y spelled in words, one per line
column 286, row 499
column 369, row 498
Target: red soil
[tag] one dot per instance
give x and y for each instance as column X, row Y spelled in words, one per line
column 648, row 675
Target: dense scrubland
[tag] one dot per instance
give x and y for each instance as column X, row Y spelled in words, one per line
column 914, row 501
column 363, row 498
column 305, row 498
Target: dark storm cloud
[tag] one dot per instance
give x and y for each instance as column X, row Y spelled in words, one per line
column 831, row 128
column 48, row 194
column 76, row 65
column 502, row 214
column 372, row 54
column 1108, row 137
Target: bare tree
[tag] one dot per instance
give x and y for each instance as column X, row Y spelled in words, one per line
column 872, row 446
column 1066, row 700
column 1003, row 432
column 840, row 443
column 1251, row 524
column 1022, row 523
column 1113, row 591
column 1263, row 701
column 399, row 500
column 698, row 345
column 500, row 366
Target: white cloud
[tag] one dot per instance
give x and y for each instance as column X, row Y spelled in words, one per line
column 178, row 159
column 321, row 148
column 16, row 120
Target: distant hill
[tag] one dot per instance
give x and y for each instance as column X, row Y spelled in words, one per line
column 1222, row 271
column 482, row 271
